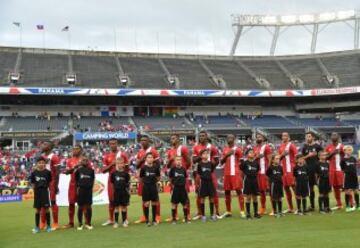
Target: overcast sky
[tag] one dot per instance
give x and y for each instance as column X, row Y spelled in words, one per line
column 181, row 26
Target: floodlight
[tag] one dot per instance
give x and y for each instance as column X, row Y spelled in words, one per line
column 288, row 19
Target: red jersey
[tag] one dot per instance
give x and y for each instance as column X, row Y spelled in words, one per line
column 288, row 162
column 142, row 152
column 110, row 157
column 52, row 162
column 264, row 150
column 182, row 151
column 70, row 164
column 214, row 153
column 232, row 163
column 335, row 160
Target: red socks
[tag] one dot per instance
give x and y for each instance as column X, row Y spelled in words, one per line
column 71, row 213
column 55, row 213
column 263, row 199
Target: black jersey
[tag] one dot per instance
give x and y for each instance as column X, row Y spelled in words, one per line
column 40, row 179
column 178, row 176
column 205, row 169
column 301, row 173
column 120, row 179
column 85, row 177
column 250, row 168
column 275, row 174
column 322, row 169
column 149, row 175
column 348, row 166
column 311, row 161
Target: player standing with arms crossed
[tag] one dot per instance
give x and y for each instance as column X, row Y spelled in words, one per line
column 231, row 156
column 109, row 167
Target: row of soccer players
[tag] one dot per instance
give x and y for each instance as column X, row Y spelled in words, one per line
column 234, row 178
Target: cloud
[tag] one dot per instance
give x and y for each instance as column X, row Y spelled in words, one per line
column 182, row 26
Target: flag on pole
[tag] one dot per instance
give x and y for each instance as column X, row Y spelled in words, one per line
column 65, row 29
column 40, row 27
column 17, row 24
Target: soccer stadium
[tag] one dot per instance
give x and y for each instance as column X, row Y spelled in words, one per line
column 221, row 143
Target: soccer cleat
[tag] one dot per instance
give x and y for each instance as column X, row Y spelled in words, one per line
column 248, row 217
column 203, row 219
column 55, row 226
column 289, row 211
column 213, row 218
column 262, row 211
column 158, row 219
column 310, row 209
column 226, row 215
column 322, row 211
column 108, row 223
column 197, row 217
column 155, row 223
column 49, row 229
column 89, row 227
column 148, row 223
column 141, row 220
column 42, row 226
column 80, row 228
column 126, row 223
column 116, row 225
column 173, row 222
column 271, row 213
column 68, row 226
column 257, row 216
column 35, row 230
column 242, row 215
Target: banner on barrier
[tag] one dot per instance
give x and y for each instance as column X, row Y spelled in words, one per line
column 104, row 135
column 10, row 198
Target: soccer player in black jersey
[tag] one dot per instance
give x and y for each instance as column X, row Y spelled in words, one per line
column 310, row 151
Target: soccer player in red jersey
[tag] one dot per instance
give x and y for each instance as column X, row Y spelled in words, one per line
column 109, row 167
column 71, row 165
column 140, row 161
column 288, row 152
column 263, row 155
column 231, row 156
column 214, row 158
column 175, row 150
column 335, row 152
column 52, row 164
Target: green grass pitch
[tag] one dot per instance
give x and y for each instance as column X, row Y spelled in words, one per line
column 337, row 230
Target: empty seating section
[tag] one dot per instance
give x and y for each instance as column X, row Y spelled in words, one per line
column 346, row 67
column 45, row 70
column 233, row 74
column 145, row 73
column 324, row 122
column 308, row 70
column 271, row 71
column 190, row 73
column 216, row 121
column 7, row 64
column 160, row 122
column 95, row 71
column 269, row 121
